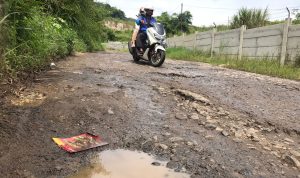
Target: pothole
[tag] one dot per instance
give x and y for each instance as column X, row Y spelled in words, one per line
column 128, row 164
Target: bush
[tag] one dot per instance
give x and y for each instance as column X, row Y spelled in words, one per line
column 38, row 39
column 124, row 36
column 42, row 30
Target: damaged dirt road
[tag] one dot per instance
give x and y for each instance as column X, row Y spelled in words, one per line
column 211, row 121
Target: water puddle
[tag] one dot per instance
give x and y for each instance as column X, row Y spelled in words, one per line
column 128, row 164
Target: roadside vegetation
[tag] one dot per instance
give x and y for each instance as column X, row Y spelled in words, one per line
column 33, row 33
column 252, row 18
column 262, row 66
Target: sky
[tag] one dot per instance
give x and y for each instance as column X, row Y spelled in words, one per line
column 206, row 12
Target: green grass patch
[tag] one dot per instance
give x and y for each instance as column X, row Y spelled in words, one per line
column 259, row 66
column 123, row 35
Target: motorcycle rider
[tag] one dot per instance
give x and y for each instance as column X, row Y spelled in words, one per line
column 144, row 21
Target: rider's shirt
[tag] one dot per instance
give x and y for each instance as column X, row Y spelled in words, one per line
column 142, row 23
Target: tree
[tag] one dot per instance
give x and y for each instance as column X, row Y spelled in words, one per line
column 252, row 18
column 185, row 20
column 166, row 20
column 176, row 23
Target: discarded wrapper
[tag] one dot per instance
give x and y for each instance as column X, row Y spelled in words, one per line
column 79, row 143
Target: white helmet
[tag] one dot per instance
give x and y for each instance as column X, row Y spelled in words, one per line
column 145, row 9
column 148, row 7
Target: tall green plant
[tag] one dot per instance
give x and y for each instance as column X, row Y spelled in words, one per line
column 176, row 23
column 43, row 30
column 297, row 20
column 252, row 18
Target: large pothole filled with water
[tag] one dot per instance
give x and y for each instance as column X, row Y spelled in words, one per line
column 127, row 164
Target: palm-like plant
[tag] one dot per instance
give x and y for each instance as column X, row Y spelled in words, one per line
column 297, row 20
column 252, row 18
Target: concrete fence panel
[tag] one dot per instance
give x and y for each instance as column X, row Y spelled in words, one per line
column 262, row 52
column 202, row 36
column 203, row 42
column 189, row 41
column 271, row 30
column 293, row 45
column 280, row 41
column 227, row 42
column 227, row 50
column 263, row 42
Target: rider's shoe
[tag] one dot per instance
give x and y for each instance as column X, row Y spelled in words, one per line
column 140, row 52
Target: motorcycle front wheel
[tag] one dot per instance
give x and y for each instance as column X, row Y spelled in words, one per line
column 158, row 59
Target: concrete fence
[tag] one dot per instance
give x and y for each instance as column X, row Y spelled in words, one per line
column 280, row 42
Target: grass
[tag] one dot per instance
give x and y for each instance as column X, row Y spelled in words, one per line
column 259, row 66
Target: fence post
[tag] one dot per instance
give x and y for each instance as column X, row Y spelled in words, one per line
column 212, row 42
column 243, row 28
column 195, row 40
column 284, row 41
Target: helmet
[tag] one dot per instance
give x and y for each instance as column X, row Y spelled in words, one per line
column 148, row 10
column 148, row 7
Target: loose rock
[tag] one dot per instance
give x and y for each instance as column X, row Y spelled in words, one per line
column 292, row 161
column 255, row 138
column 225, row 133
column 210, row 126
column 166, row 126
column 239, row 133
column 289, row 140
column 180, row 116
column 250, row 132
column 155, row 164
column 172, row 164
column 295, row 153
column 166, row 134
column 219, row 129
column 210, row 137
column 110, row 111
column 58, row 168
column 194, row 116
column 267, row 148
column 163, row 146
column 189, row 143
column 193, row 96
column 275, row 153
column 173, row 151
column 176, row 139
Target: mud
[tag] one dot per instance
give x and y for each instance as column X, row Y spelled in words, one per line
column 248, row 125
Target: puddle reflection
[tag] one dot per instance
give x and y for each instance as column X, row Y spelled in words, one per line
column 127, row 164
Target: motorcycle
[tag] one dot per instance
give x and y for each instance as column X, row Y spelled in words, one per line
column 155, row 51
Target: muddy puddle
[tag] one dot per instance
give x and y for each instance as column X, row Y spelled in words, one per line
column 127, row 164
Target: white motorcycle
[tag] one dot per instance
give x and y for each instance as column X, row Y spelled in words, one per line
column 155, row 51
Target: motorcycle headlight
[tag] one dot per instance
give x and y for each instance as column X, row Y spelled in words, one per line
column 158, row 37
